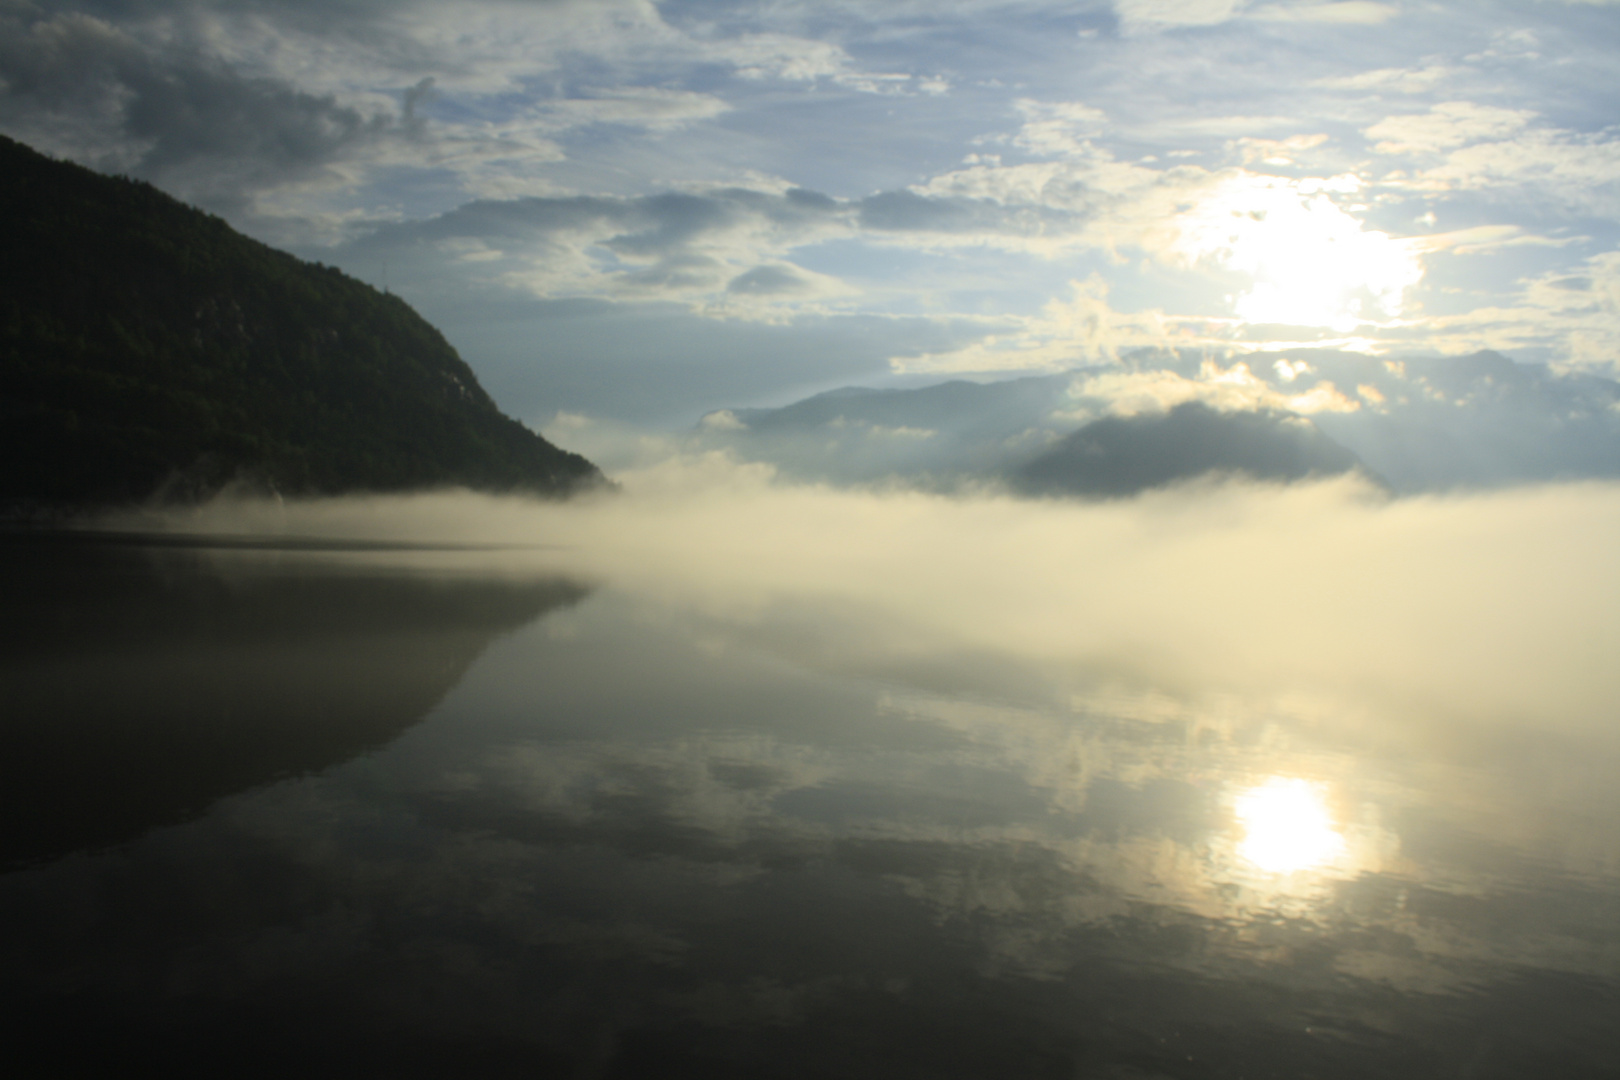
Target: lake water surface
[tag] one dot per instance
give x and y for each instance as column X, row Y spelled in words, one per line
column 355, row 809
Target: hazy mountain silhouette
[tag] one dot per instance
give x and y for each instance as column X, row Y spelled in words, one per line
column 1418, row 424
column 149, row 348
column 933, row 436
column 959, row 405
column 1474, row 421
column 1122, row 455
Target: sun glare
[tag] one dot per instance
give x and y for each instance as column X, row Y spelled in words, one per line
column 1311, row 262
column 1287, row 827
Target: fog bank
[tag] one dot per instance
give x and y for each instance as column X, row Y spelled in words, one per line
column 1495, row 608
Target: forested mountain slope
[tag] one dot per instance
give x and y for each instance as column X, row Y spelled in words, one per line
column 147, row 349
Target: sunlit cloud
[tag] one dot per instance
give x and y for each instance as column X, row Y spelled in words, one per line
column 1058, row 129
column 1578, row 306
column 1142, row 15
column 1310, row 262
column 1335, row 12
column 1078, row 329
column 1228, row 389
column 1401, row 80
column 1445, row 127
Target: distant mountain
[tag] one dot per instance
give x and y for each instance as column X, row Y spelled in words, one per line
column 934, row 436
column 964, row 407
column 1475, row 421
column 1121, row 455
column 1418, row 424
column 146, row 348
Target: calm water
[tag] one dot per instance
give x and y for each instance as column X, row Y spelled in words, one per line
column 299, row 810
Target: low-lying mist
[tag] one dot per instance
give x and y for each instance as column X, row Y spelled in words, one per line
column 1494, row 609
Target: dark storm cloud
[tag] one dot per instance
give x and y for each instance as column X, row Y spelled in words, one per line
column 172, row 113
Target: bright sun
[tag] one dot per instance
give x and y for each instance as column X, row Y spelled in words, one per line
column 1311, row 262
column 1287, row 827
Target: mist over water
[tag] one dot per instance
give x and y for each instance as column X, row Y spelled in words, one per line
column 1499, row 607
column 744, row 777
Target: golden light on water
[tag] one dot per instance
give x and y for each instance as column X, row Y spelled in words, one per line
column 1287, row 827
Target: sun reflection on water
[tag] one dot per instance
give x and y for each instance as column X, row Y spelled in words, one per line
column 1287, row 827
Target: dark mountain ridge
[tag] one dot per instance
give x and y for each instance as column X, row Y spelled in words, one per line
column 1413, row 424
column 1122, row 455
column 957, row 404
column 148, row 349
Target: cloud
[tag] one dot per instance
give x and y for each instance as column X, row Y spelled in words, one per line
column 1235, row 389
column 768, row 281
column 1286, row 250
column 1307, row 261
column 287, row 110
column 1137, row 16
column 661, row 144
column 482, row 48
column 1058, row 129
column 759, row 293
column 1575, row 309
column 691, row 246
column 687, row 247
column 1081, row 329
column 1579, row 172
column 1341, row 13
column 1301, row 257
column 653, row 108
column 1200, row 126
column 1400, row 80
column 1088, row 200
column 82, row 87
column 1445, row 126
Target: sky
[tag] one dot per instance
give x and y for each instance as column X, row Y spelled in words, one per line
column 638, row 212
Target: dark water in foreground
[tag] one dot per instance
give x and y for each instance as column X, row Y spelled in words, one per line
column 307, row 812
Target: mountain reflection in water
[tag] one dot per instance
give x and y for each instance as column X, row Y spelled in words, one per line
column 634, row 837
column 144, row 681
